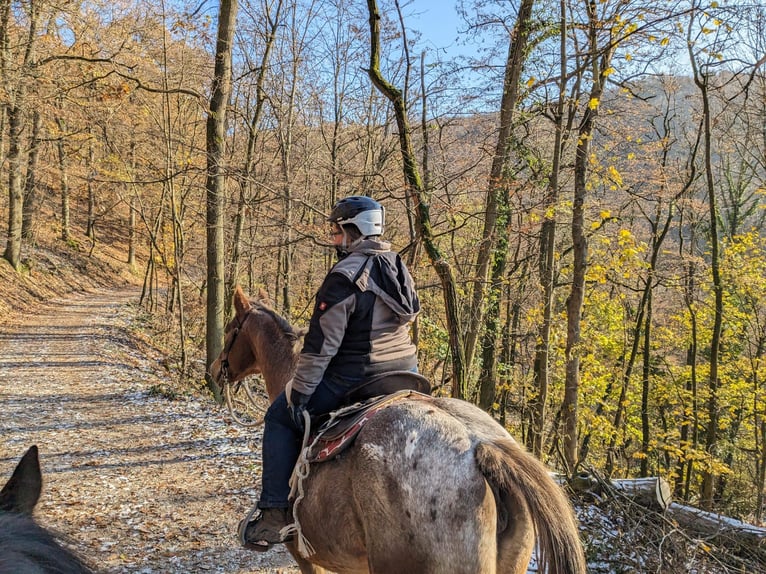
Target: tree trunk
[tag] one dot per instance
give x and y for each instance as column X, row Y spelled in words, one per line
column 215, row 142
column 133, row 205
column 90, row 224
column 498, row 186
column 420, row 201
column 488, row 375
column 723, row 530
column 132, row 233
column 576, row 297
column 63, row 178
column 693, row 428
column 760, row 479
column 711, row 436
column 16, row 119
column 30, row 186
column 645, row 379
column 12, row 252
column 546, row 261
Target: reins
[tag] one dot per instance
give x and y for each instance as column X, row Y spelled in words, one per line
column 228, row 392
column 251, row 402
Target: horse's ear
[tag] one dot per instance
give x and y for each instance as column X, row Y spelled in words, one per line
column 263, row 296
column 22, row 491
column 241, row 302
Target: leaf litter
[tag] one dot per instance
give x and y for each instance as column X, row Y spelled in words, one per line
column 134, row 481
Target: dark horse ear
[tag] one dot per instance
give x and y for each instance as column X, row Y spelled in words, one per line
column 241, row 302
column 22, row 491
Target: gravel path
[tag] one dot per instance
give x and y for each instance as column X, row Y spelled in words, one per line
column 138, row 482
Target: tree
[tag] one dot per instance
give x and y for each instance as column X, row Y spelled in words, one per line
column 18, row 89
column 417, row 193
column 493, row 249
column 547, row 250
column 216, row 185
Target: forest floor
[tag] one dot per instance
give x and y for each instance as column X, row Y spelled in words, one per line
column 137, row 480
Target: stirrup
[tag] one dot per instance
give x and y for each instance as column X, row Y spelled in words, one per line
column 272, row 535
column 242, row 527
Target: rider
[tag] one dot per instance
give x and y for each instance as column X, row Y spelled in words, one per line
column 359, row 328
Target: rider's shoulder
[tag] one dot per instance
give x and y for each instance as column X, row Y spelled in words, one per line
column 350, row 266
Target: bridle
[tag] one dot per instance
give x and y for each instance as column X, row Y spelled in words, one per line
column 227, row 349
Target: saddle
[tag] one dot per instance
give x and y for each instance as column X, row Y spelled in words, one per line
column 381, row 391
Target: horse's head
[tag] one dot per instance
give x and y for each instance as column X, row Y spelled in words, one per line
column 257, row 340
column 237, row 360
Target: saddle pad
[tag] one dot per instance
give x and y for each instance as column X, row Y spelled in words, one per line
column 340, row 431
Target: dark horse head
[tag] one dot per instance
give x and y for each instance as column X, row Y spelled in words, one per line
column 26, row 547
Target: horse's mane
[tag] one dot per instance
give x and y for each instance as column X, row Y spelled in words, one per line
column 283, row 324
column 27, row 547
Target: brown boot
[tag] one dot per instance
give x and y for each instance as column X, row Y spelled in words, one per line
column 263, row 532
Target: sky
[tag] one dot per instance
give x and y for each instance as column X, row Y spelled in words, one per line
column 439, row 23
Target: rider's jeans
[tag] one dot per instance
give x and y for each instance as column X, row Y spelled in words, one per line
column 282, row 443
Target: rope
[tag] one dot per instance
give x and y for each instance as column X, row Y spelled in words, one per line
column 300, row 473
column 227, row 393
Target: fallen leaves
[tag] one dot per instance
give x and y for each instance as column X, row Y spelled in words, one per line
column 137, row 482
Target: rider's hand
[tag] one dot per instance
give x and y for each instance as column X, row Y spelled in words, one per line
column 297, row 403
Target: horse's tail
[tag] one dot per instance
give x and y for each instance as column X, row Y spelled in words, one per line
column 512, row 470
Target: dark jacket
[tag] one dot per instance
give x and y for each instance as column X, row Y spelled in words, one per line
column 360, row 324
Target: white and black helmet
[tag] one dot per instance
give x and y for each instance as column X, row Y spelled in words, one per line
column 367, row 214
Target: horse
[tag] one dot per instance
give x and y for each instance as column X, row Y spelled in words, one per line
column 432, row 487
column 25, row 546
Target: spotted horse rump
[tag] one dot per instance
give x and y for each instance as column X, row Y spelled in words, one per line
column 339, row 432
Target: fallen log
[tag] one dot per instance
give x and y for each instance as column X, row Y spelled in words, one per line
column 655, row 493
column 715, row 525
column 652, row 492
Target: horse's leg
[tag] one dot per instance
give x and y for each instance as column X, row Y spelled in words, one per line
column 517, row 542
column 305, row 566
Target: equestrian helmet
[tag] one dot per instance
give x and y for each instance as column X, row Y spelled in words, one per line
column 367, row 214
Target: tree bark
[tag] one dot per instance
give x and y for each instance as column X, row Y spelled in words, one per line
column 722, row 529
column 546, row 261
column 90, row 224
column 576, row 297
column 216, row 186
column 16, row 117
column 30, row 186
column 63, row 177
column 711, row 436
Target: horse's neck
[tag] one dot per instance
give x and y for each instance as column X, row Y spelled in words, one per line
column 279, row 356
column 276, row 379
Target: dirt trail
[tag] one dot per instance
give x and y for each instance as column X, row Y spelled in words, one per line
column 140, row 483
